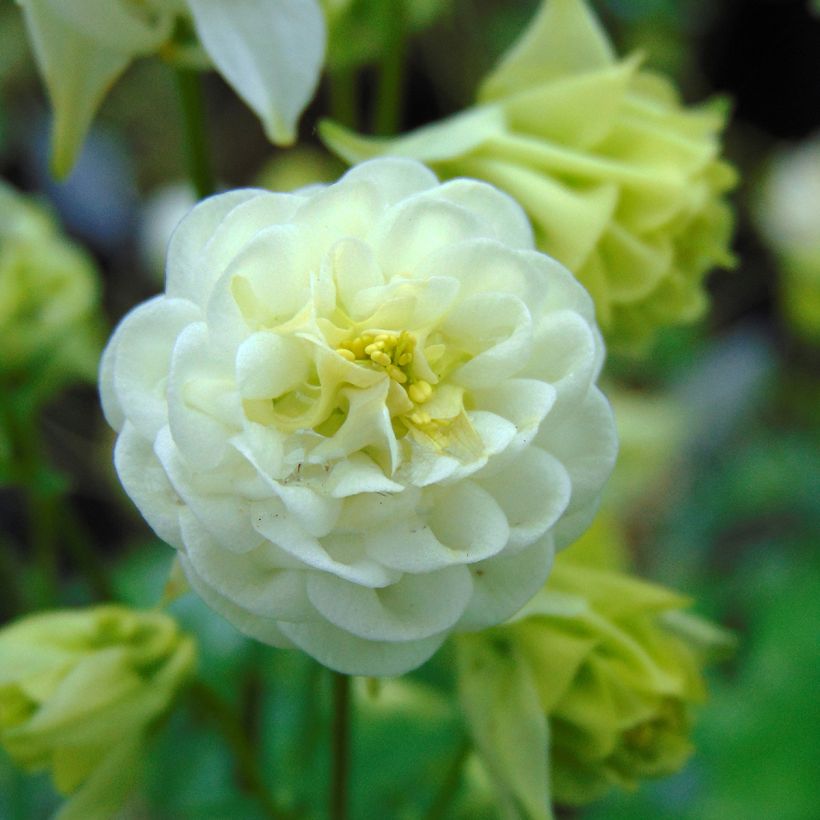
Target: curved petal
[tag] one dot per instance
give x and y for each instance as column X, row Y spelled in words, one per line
column 352, row 655
column 270, row 51
column 262, row 629
column 147, row 484
column 504, row 584
column 142, row 349
column 415, row 607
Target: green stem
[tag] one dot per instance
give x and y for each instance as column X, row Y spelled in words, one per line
column 449, row 785
column 248, row 770
column 340, row 743
column 342, row 100
column 192, row 103
column 390, row 88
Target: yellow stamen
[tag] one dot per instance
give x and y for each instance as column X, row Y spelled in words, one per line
column 420, row 392
column 345, row 353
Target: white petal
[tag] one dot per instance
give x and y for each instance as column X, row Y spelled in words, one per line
column 505, row 583
column 186, row 257
column 270, row 51
column 77, row 72
column 417, row 227
column 284, row 532
column 523, row 402
column 116, row 25
column 203, row 403
column 268, row 365
column 354, row 269
column 586, row 444
column 566, row 353
column 256, row 583
column 346, row 653
column 415, row 607
column 395, row 178
column 147, row 485
column 142, row 356
column 225, row 515
column 533, row 491
column 262, row 629
column 496, row 329
column 358, row 474
column 504, row 217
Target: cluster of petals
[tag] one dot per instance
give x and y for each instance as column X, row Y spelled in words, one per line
column 365, row 414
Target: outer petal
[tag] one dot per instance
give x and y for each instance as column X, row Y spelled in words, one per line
column 270, row 51
column 563, row 38
column 352, row 655
column 77, row 72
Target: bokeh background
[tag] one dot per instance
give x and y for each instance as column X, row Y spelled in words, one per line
column 718, row 487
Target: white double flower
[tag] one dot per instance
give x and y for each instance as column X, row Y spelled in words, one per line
column 364, row 414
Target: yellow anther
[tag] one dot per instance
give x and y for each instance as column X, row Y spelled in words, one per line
column 380, row 357
column 420, row 418
column 346, row 354
column 420, row 391
column 405, row 358
column 373, row 347
column 396, row 374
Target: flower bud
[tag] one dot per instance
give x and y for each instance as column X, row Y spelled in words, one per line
column 623, row 184
column 79, row 691
column 616, row 668
column 48, row 296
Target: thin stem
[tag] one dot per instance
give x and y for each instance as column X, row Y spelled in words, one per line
column 342, row 99
column 248, row 770
column 449, row 785
column 340, row 747
column 390, row 88
column 192, row 103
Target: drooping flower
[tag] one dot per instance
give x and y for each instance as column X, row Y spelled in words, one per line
column 79, row 692
column 269, row 51
column 610, row 661
column 49, row 329
column 364, row 414
column 623, row 184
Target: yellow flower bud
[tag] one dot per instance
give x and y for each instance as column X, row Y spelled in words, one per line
column 622, row 183
column 79, row 690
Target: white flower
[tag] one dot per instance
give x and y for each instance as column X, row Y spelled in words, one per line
column 270, row 51
column 364, row 414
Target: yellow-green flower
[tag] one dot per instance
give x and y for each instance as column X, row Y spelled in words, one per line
column 623, row 183
column 610, row 661
column 79, row 691
column 48, row 297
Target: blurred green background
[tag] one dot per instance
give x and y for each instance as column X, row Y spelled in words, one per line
column 733, row 521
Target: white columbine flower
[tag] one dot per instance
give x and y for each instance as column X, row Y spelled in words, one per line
column 270, row 51
column 364, row 414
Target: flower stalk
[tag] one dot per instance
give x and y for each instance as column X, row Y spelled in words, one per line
column 340, row 747
column 192, row 104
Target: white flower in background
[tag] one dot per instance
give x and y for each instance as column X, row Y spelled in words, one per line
column 269, row 51
column 364, row 414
